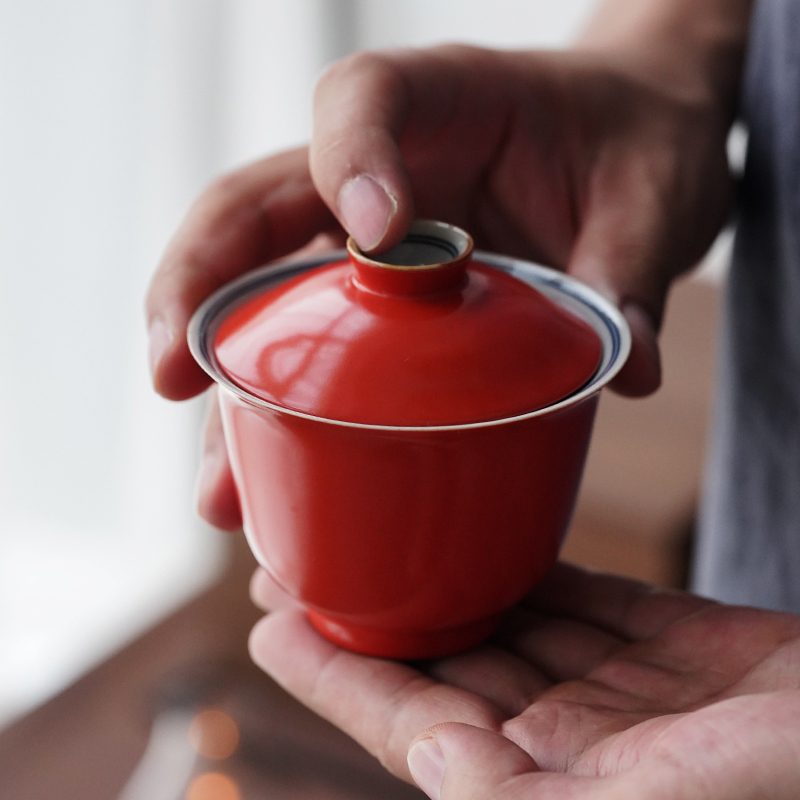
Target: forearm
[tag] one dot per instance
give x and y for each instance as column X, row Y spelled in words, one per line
column 694, row 47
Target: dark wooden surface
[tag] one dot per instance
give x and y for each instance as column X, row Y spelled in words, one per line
column 85, row 743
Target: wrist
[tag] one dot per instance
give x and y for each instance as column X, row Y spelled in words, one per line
column 687, row 48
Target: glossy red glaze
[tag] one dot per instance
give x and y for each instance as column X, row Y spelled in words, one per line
column 406, row 544
column 355, row 407
column 483, row 346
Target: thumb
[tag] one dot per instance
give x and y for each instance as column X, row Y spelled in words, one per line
column 460, row 761
column 454, row 761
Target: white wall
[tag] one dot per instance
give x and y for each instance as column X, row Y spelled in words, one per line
column 108, row 131
column 494, row 23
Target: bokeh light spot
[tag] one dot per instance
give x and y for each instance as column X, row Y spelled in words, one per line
column 214, row 734
column 213, row 786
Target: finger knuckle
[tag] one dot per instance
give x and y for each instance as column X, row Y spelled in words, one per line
column 231, row 185
column 366, row 65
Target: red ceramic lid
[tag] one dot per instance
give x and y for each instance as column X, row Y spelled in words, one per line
column 423, row 336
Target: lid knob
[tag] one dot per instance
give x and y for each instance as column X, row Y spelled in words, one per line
column 432, row 258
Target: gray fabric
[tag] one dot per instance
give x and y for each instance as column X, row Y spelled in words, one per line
column 749, row 538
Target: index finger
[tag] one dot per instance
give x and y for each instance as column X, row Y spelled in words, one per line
column 247, row 218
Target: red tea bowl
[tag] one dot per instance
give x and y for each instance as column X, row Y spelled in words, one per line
column 404, row 540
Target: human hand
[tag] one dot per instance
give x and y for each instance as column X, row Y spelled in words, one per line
column 582, row 160
column 597, row 687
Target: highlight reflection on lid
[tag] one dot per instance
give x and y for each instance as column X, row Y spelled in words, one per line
column 425, row 343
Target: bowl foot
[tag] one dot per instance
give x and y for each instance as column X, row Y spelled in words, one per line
column 404, row 644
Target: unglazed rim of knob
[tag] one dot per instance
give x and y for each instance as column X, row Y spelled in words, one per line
column 439, row 234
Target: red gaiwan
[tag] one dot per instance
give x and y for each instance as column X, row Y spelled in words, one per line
column 407, row 432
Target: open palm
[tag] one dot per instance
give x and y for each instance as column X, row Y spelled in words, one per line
column 596, row 687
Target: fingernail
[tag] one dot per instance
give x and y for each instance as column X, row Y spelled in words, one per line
column 642, row 372
column 161, row 337
column 366, row 210
column 643, row 328
column 638, row 318
column 426, row 763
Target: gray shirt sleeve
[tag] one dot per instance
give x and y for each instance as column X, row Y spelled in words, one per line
column 748, row 548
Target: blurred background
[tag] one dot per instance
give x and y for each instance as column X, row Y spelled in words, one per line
column 113, row 116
